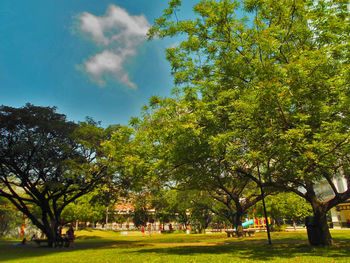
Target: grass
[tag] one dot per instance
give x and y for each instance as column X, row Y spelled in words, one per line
column 110, row 246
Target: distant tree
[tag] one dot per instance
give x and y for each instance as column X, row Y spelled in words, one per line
column 179, row 205
column 200, row 210
column 10, row 217
column 163, row 202
column 85, row 209
column 120, row 219
column 141, row 215
column 286, row 206
column 183, row 206
column 47, row 162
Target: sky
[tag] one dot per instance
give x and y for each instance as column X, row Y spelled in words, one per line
column 86, row 57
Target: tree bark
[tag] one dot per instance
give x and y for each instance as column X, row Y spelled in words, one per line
column 318, row 230
column 238, row 224
column 50, row 235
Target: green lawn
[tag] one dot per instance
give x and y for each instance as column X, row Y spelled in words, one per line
column 109, row 246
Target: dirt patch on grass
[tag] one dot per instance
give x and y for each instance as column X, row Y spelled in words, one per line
column 196, row 244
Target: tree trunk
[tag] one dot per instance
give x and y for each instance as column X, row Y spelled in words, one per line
column 238, row 224
column 317, row 227
column 49, row 229
column 51, row 235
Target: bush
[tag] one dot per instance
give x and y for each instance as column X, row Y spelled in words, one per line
column 280, row 228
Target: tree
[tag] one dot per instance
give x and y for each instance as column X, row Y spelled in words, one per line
column 277, row 82
column 85, row 209
column 238, row 195
column 183, row 206
column 141, row 214
column 120, row 219
column 165, row 203
column 45, row 165
column 201, row 217
column 185, row 149
column 286, row 206
column 9, row 217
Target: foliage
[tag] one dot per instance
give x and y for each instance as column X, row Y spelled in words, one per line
column 120, row 219
column 184, row 154
column 201, row 217
column 85, row 209
column 141, row 215
column 270, row 88
column 166, row 204
column 280, row 227
column 9, row 217
column 286, row 206
column 47, row 162
column 127, row 159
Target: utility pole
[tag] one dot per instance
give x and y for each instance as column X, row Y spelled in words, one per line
column 264, row 206
column 106, row 216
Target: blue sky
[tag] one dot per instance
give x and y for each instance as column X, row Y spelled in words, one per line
column 87, row 57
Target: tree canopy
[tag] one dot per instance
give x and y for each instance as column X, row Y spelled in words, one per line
column 271, row 87
column 43, row 164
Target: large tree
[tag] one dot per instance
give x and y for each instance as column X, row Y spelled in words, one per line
column 277, row 81
column 185, row 149
column 47, row 162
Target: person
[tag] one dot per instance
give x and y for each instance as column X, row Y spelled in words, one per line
column 69, row 238
column 295, row 225
column 143, row 230
column 150, row 229
column 23, row 242
column 188, row 230
column 59, row 231
column 59, row 240
column 22, row 230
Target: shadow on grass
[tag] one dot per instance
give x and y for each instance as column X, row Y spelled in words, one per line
column 8, row 251
column 255, row 250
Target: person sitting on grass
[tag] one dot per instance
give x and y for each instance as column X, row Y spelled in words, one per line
column 23, row 242
column 69, row 237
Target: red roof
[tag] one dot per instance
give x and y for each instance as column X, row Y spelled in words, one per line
column 124, row 207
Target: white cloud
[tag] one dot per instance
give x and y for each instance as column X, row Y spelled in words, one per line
column 91, row 24
column 108, row 62
column 118, row 34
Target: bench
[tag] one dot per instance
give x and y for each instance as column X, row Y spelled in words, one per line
column 39, row 241
column 60, row 242
column 230, row 233
column 250, row 232
column 213, row 230
column 233, row 233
